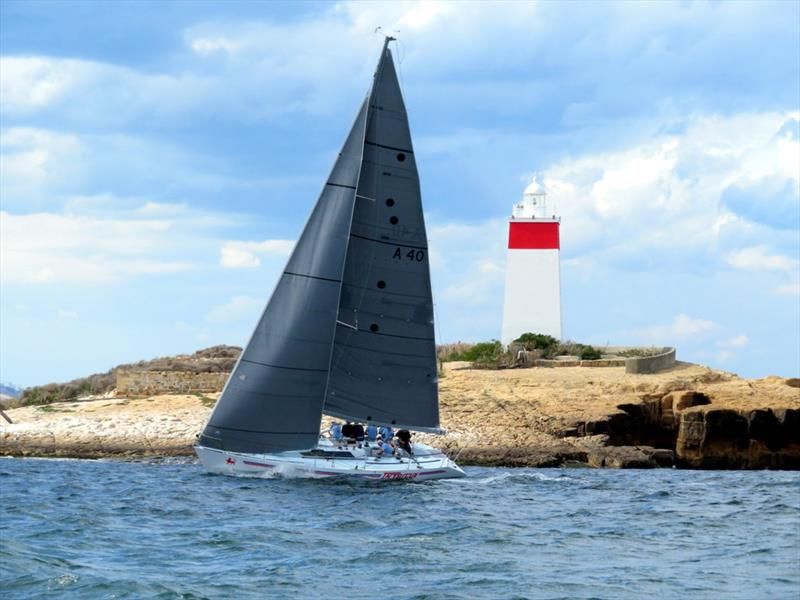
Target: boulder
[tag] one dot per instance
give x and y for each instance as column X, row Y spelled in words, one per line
column 620, row 457
column 661, row 456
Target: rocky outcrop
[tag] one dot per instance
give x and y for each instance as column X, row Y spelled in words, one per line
column 701, row 435
column 108, row 427
column 151, row 383
column 602, row 417
column 729, row 439
column 521, row 456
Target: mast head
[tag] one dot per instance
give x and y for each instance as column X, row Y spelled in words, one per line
column 388, row 38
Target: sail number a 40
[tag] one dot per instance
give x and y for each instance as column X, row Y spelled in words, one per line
column 409, row 255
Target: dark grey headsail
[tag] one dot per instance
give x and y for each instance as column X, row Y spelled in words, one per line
column 273, row 399
column 383, row 368
column 349, row 327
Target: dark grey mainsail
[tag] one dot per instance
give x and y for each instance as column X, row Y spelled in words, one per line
column 349, row 327
column 383, row 368
column 273, row 399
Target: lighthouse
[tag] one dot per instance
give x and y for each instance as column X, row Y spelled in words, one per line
column 533, row 286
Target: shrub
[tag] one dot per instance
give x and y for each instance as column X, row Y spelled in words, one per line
column 452, row 352
column 484, row 352
column 539, row 341
column 637, row 352
column 486, row 355
column 589, row 353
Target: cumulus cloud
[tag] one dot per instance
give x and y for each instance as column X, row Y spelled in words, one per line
column 47, row 247
column 526, row 55
column 681, row 328
column 45, row 169
column 660, row 200
column 737, row 341
column 467, row 260
column 789, row 289
column 239, row 308
column 39, row 84
column 758, row 257
column 35, row 162
column 236, row 254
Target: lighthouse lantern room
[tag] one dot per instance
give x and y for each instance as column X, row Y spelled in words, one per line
column 533, row 287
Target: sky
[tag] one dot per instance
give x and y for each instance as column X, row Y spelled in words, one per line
column 158, row 160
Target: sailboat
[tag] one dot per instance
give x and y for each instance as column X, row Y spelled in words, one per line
column 348, row 331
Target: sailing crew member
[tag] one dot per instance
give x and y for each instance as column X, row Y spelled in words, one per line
column 404, row 440
column 372, row 431
column 336, row 431
column 383, row 448
column 387, row 433
column 347, row 430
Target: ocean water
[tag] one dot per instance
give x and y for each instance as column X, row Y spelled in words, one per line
column 166, row 529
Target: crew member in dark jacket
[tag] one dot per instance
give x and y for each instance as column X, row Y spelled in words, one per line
column 404, row 437
column 347, row 430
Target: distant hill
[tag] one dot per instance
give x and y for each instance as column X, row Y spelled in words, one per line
column 216, row 359
column 8, row 389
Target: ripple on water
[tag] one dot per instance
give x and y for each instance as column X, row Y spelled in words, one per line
column 104, row 529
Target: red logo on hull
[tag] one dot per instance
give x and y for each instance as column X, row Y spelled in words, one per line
column 399, row 475
column 230, row 461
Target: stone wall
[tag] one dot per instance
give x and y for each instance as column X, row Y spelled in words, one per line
column 651, row 364
column 600, row 362
column 151, row 383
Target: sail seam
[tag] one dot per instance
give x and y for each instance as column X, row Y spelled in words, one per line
column 402, row 244
column 341, row 185
column 369, row 289
column 389, row 147
column 312, row 277
column 403, row 337
column 389, row 353
column 269, row 432
column 255, row 362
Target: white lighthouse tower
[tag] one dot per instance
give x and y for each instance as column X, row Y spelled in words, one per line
column 533, row 283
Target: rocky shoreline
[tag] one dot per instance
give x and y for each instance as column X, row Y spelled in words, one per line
column 690, row 417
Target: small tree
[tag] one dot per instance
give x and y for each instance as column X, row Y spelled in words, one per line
column 538, row 341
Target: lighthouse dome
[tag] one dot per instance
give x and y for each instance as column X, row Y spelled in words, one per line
column 534, row 187
column 533, row 204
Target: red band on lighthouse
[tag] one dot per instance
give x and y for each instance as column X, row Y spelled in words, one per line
column 532, row 235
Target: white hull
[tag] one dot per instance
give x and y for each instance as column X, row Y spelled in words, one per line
column 427, row 463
